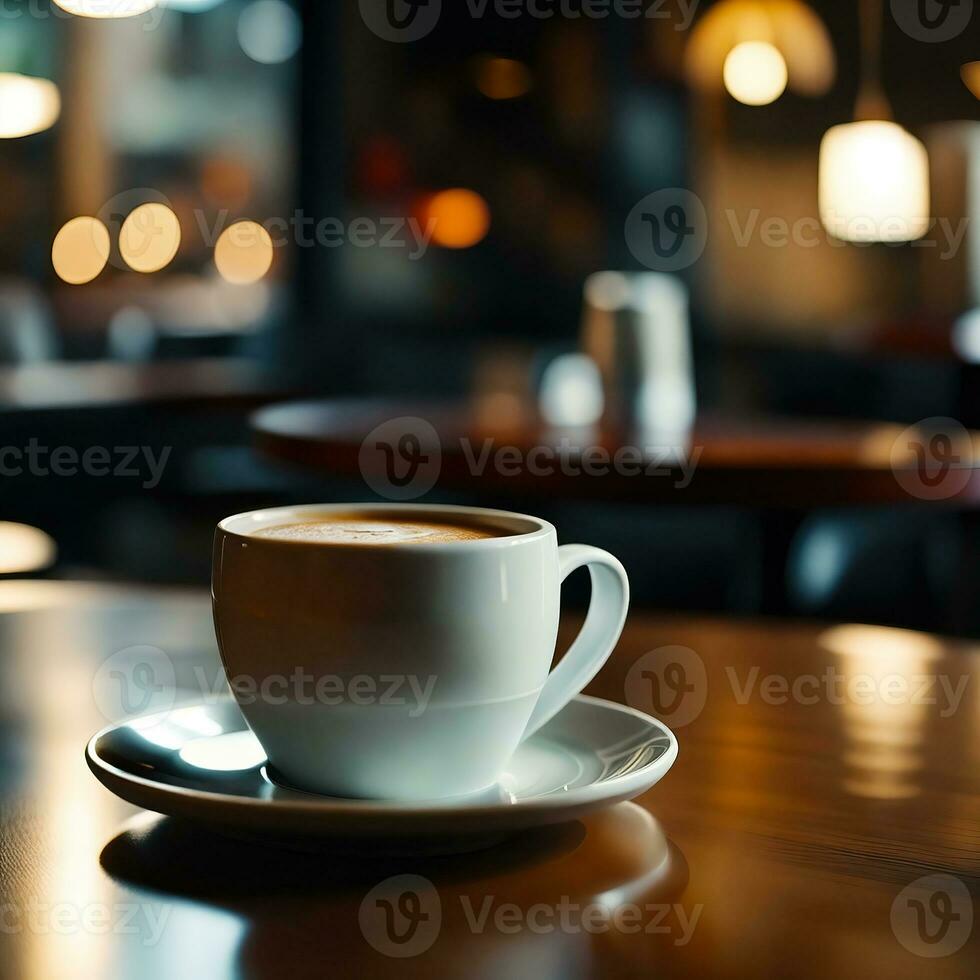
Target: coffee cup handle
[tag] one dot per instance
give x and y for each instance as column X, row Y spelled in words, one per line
column 592, row 647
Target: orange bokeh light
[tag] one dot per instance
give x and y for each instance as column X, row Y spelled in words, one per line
column 80, row 250
column 459, row 218
column 502, row 78
column 244, row 253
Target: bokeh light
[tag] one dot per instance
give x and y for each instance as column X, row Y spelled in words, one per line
column 244, row 253
column 502, row 78
column 24, row 549
column 269, row 31
column 131, row 335
column 190, row 6
column 459, row 218
column 608, row 291
column 27, row 105
column 874, row 183
column 966, row 336
column 149, row 238
column 792, row 27
column 571, row 392
column 755, row 73
column 970, row 73
column 106, row 8
column 80, row 250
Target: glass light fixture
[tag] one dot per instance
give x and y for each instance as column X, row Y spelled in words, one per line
column 106, row 8
column 27, row 105
column 755, row 49
column 874, row 183
column 874, row 175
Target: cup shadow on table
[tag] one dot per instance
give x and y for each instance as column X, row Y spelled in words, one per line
column 382, row 914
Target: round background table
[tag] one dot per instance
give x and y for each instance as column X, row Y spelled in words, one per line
column 402, row 449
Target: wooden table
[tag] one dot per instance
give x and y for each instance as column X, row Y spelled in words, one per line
column 780, row 845
column 198, row 382
column 493, row 446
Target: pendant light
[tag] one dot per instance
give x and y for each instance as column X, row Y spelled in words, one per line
column 106, row 8
column 874, row 175
column 757, row 49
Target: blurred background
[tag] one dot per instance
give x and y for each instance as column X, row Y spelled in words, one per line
column 209, row 206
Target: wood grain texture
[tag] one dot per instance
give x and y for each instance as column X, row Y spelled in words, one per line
column 777, row 846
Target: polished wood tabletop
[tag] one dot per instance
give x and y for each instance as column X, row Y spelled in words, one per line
column 72, row 385
column 822, row 819
column 501, row 445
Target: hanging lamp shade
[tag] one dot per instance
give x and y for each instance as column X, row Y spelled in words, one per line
column 874, row 175
column 874, row 183
column 788, row 27
column 106, row 8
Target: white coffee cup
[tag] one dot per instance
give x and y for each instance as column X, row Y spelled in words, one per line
column 403, row 671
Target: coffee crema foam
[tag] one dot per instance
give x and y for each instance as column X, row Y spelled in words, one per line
column 378, row 532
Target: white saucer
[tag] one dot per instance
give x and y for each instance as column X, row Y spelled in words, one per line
column 202, row 763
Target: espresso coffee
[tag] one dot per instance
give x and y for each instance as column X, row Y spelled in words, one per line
column 461, row 603
column 382, row 530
